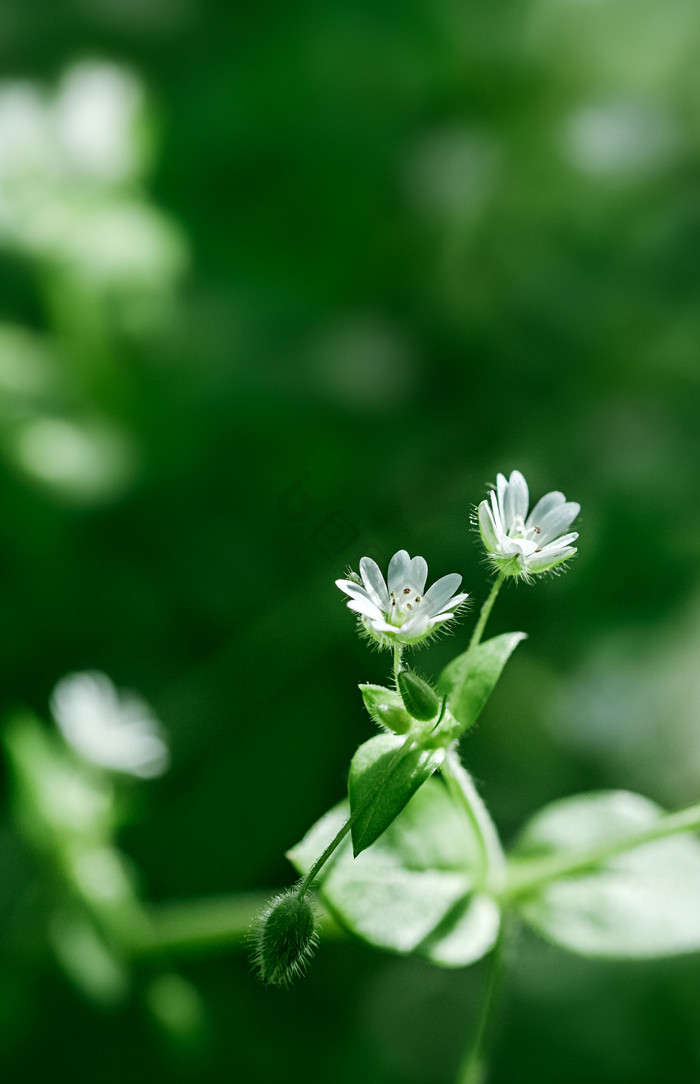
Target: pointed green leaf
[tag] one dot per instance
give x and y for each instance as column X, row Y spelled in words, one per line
column 468, row 680
column 385, row 707
column 384, row 773
column 641, row 903
column 419, row 889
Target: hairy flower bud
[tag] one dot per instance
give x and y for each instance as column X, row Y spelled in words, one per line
column 420, row 699
column 284, row 938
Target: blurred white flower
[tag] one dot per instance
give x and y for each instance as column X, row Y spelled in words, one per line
column 71, row 167
column 523, row 545
column 401, row 613
column 112, row 729
column 90, row 130
column 97, row 118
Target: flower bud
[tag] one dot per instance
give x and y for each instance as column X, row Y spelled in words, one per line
column 285, row 938
column 420, row 699
column 386, row 708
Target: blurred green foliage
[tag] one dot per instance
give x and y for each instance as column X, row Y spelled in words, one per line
column 359, row 257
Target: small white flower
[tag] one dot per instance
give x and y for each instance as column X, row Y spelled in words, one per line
column 111, row 729
column 402, row 612
column 524, row 545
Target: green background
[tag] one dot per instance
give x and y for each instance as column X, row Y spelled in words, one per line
column 413, row 244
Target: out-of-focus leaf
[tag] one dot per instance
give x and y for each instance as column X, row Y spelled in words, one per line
column 642, row 903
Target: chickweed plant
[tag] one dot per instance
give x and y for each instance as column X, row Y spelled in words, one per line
column 411, row 861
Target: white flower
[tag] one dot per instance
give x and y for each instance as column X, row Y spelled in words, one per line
column 111, row 729
column 401, row 613
column 524, row 545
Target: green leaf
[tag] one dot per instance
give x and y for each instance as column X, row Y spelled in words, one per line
column 641, row 903
column 384, row 773
column 386, row 709
column 468, row 680
column 419, row 889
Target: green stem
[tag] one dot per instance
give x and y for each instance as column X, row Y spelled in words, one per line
column 526, row 876
column 485, row 612
column 398, row 651
column 322, row 859
column 473, row 1068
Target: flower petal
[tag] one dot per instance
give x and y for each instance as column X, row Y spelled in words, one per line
column 560, row 543
column 414, row 630
column 374, row 582
column 557, row 521
column 543, row 506
column 453, row 604
column 418, row 574
column 501, row 491
column 435, row 599
column 542, row 562
column 398, row 570
column 380, row 625
column 352, row 589
column 487, row 527
column 517, row 499
column 496, row 513
column 366, row 607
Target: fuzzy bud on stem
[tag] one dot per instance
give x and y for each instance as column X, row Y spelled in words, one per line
column 284, row 938
column 419, row 698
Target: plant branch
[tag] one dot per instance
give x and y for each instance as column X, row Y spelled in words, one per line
column 527, row 876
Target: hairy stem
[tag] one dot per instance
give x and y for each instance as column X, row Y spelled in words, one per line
column 323, row 858
column 398, row 651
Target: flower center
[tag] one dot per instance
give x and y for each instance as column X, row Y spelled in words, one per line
column 404, row 604
column 519, row 530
